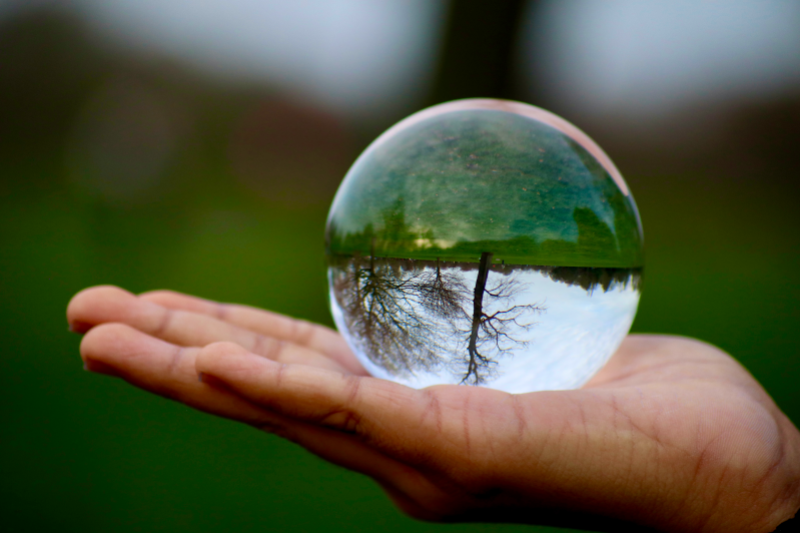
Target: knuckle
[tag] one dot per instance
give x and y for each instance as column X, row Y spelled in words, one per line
column 346, row 416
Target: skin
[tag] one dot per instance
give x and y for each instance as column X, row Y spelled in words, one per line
column 672, row 434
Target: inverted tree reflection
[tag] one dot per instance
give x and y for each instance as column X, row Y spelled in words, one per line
column 495, row 324
column 379, row 301
column 410, row 316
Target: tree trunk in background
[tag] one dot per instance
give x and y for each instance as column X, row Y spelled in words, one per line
column 479, row 51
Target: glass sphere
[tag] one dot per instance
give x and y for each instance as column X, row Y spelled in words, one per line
column 484, row 242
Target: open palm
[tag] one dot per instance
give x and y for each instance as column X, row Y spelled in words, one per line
column 672, row 434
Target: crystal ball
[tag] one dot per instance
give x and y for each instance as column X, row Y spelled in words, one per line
column 484, row 242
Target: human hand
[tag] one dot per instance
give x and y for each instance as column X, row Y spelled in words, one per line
column 672, row 433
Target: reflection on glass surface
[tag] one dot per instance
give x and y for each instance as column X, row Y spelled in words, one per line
column 488, row 243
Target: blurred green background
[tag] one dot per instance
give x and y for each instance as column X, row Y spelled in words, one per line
column 139, row 147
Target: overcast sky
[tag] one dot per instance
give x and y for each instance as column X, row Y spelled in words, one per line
column 658, row 54
column 366, row 55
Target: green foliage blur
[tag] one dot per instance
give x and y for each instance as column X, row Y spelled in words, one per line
column 515, row 200
column 222, row 191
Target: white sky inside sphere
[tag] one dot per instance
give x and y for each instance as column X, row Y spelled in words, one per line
column 564, row 345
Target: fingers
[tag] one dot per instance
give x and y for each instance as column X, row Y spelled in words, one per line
column 162, row 368
column 170, row 371
column 378, row 411
column 444, row 432
column 450, row 435
column 274, row 325
column 100, row 305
